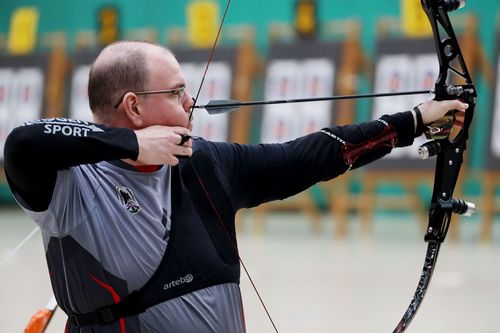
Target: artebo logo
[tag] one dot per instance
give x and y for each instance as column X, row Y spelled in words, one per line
column 182, row 280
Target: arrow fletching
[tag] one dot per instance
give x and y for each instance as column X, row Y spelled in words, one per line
column 221, row 106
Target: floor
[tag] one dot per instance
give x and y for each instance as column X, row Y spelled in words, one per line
column 311, row 281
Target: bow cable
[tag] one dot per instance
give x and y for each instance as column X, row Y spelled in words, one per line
column 195, row 100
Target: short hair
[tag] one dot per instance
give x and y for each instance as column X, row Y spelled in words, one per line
column 119, row 68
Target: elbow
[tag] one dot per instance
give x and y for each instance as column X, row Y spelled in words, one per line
column 15, row 146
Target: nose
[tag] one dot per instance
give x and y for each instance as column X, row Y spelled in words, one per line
column 188, row 101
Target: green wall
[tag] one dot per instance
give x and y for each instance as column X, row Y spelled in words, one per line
column 73, row 16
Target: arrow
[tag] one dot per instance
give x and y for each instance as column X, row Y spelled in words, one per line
column 224, row 106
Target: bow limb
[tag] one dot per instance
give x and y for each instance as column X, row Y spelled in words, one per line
column 453, row 82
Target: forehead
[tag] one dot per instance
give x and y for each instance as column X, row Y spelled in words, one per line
column 164, row 67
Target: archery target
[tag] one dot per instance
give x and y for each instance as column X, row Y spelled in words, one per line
column 79, row 102
column 217, row 85
column 291, row 79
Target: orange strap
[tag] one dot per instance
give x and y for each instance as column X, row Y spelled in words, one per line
column 39, row 321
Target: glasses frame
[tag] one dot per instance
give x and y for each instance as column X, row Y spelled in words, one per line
column 177, row 91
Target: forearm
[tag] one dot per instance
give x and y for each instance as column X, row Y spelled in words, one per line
column 36, row 151
column 364, row 143
column 276, row 171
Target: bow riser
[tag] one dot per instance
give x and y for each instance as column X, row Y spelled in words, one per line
column 449, row 148
column 445, row 40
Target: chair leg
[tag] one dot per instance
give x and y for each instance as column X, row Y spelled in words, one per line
column 488, row 209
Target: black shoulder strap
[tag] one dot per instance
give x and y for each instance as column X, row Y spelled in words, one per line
column 213, row 204
column 214, row 208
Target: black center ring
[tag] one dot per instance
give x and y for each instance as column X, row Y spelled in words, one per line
column 184, row 138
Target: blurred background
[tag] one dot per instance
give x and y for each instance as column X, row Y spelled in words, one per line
column 343, row 256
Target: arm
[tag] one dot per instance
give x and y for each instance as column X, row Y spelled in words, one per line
column 260, row 173
column 36, row 151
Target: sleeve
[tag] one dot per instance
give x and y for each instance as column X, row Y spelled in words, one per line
column 34, row 152
column 256, row 174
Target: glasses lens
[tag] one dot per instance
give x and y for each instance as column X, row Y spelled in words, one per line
column 180, row 93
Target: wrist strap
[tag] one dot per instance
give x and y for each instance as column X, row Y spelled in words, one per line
column 420, row 123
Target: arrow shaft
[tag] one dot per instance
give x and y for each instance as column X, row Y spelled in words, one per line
column 312, row 99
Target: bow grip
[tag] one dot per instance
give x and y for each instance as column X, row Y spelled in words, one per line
column 441, row 128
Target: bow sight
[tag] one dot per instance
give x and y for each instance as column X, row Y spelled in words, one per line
column 451, row 5
column 448, row 5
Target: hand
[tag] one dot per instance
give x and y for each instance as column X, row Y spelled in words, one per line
column 433, row 110
column 162, row 145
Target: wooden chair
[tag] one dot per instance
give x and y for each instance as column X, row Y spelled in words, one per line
column 478, row 65
column 491, row 174
column 491, row 203
column 353, row 64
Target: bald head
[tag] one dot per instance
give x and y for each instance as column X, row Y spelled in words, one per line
column 119, row 68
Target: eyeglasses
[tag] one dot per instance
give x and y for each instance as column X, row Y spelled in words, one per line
column 178, row 91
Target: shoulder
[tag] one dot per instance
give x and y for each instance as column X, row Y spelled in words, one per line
column 215, row 149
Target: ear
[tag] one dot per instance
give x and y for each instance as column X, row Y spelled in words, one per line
column 132, row 109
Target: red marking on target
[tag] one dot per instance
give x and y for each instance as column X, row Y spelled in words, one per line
column 284, row 86
column 26, row 94
column 315, row 86
column 428, row 81
column 394, row 82
column 212, row 88
column 280, row 130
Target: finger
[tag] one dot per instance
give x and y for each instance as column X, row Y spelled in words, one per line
column 184, row 151
column 173, row 161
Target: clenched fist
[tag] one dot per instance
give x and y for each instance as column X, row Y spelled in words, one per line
column 433, row 110
column 163, row 145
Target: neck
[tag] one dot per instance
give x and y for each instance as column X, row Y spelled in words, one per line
column 142, row 167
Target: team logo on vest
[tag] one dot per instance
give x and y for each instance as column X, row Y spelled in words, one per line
column 127, row 199
column 182, row 280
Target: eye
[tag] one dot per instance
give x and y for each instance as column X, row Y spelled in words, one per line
column 180, row 93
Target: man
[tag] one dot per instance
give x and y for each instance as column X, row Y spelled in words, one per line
column 125, row 201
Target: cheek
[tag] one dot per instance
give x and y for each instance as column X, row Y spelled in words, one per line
column 174, row 117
